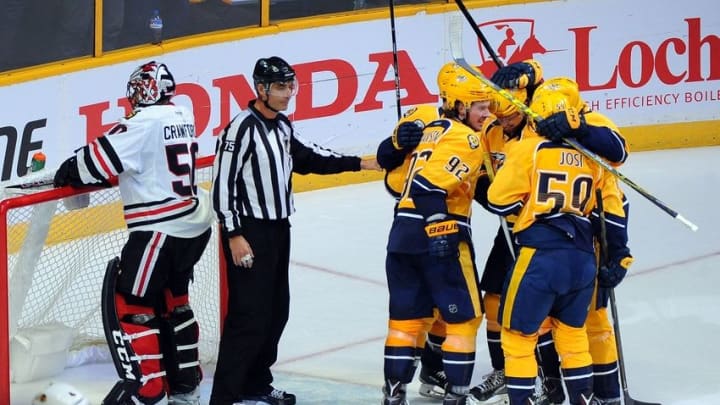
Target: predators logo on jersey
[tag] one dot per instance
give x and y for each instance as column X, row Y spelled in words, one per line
column 473, row 141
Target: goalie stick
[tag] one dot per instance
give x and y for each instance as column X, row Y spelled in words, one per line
column 459, row 58
column 627, row 399
column 31, row 182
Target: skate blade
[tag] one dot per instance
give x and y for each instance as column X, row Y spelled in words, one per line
column 500, row 399
column 431, row 391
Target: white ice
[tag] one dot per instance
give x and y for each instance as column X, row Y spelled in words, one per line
column 332, row 349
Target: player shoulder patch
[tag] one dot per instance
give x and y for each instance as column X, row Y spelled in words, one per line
column 473, row 141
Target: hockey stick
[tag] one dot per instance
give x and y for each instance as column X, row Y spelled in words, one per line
column 457, row 52
column 627, row 399
column 395, row 57
column 479, row 33
column 31, row 182
column 488, row 162
column 503, row 222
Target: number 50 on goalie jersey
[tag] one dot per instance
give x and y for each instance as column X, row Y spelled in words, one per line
column 152, row 152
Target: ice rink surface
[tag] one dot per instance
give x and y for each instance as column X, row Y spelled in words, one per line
column 332, row 349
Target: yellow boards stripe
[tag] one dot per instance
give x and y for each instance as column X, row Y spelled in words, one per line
column 109, row 217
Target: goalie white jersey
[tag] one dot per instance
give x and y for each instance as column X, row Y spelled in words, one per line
column 152, row 152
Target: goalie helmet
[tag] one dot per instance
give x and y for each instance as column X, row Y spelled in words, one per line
column 466, row 89
column 557, row 94
column 57, row 393
column 149, row 84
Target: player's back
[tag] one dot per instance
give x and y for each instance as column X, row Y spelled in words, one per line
column 157, row 148
column 551, row 187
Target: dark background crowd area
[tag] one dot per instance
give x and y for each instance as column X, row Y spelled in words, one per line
column 35, row 32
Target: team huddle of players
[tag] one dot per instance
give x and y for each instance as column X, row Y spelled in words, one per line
column 560, row 247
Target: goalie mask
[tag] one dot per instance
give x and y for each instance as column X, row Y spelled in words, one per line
column 150, row 84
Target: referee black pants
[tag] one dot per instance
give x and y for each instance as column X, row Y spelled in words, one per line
column 258, row 309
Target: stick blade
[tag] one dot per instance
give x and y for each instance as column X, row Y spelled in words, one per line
column 455, row 36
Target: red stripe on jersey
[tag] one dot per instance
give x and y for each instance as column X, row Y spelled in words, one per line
column 181, row 204
column 145, row 267
column 95, row 149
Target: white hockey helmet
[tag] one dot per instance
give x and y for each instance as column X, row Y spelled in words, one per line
column 57, row 393
column 150, row 84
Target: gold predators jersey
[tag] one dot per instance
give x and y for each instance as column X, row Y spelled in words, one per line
column 614, row 142
column 422, row 115
column 493, row 140
column 443, row 169
column 542, row 181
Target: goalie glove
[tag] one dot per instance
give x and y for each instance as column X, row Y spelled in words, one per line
column 610, row 275
column 568, row 123
column 407, row 135
column 443, row 238
column 519, row 75
column 67, row 174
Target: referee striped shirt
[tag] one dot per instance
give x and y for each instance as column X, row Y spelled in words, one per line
column 254, row 160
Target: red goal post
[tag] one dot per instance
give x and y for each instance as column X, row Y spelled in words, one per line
column 54, row 256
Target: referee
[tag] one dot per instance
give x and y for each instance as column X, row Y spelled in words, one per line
column 252, row 197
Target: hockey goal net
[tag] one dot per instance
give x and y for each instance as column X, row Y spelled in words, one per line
column 54, row 257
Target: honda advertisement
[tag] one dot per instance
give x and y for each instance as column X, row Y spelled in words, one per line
column 639, row 68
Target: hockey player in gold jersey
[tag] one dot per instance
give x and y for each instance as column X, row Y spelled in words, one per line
column 550, row 186
column 604, row 138
column 495, row 137
column 492, row 389
column 393, row 155
column 430, row 261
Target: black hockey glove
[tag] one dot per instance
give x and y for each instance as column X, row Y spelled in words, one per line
column 407, row 135
column 563, row 124
column 518, row 75
column 67, row 174
column 610, row 275
column 443, row 238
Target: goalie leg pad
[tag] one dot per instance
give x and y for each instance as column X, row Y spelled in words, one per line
column 131, row 332
column 180, row 345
